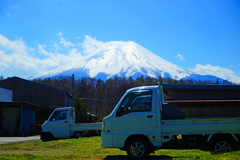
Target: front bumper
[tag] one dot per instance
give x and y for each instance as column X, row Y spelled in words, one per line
column 106, row 140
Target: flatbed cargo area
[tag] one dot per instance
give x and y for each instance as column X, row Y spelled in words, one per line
column 208, row 108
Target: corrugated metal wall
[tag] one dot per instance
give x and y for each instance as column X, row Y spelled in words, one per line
column 31, row 92
column 27, row 120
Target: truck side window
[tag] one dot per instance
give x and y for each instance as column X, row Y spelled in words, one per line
column 59, row 115
column 137, row 101
column 141, row 103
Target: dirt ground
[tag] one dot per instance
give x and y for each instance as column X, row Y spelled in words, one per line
column 9, row 140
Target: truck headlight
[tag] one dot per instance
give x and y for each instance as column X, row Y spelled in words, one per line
column 103, row 126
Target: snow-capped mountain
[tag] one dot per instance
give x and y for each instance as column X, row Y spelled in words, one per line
column 123, row 59
column 108, row 59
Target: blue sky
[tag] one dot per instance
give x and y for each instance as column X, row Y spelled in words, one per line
column 199, row 35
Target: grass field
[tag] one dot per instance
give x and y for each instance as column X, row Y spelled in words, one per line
column 90, row 148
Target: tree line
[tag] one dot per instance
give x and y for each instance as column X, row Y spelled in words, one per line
column 100, row 97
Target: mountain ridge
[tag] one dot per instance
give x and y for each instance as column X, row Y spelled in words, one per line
column 124, row 59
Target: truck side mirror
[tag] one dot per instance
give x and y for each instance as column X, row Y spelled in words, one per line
column 122, row 111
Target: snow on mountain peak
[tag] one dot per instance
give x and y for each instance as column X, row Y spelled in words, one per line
column 107, row 59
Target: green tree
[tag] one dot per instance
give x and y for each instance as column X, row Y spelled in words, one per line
column 160, row 80
column 42, row 114
column 1, row 77
column 80, row 111
column 148, row 81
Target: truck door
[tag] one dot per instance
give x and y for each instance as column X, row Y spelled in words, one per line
column 58, row 124
column 135, row 115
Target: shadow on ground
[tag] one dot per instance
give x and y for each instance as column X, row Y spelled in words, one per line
column 152, row 157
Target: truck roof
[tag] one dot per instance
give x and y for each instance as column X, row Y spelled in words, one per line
column 63, row 108
column 143, row 88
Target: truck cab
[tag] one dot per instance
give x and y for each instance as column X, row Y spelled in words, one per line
column 58, row 123
column 137, row 113
column 61, row 125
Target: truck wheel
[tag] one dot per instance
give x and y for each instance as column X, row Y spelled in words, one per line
column 138, row 148
column 46, row 137
column 222, row 145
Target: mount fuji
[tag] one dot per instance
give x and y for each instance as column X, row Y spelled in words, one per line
column 105, row 60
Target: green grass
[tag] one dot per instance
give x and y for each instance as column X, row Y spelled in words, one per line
column 90, row 148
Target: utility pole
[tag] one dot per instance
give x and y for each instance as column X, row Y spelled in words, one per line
column 73, row 90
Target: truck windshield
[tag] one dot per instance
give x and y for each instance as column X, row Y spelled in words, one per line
column 59, row 115
column 136, row 101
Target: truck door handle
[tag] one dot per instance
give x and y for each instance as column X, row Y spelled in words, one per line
column 65, row 121
column 150, row 116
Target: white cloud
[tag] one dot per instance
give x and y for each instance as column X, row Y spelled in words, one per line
column 91, row 45
column 60, row 33
column 66, row 43
column 4, row 63
column 42, row 51
column 220, row 72
column 16, row 59
column 15, row 46
column 180, row 57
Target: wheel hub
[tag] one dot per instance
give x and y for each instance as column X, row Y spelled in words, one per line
column 137, row 149
column 223, row 147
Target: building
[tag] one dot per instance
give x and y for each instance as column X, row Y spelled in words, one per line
column 17, row 118
column 19, row 100
column 35, row 93
column 5, row 95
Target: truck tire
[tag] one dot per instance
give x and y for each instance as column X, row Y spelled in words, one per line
column 222, row 145
column 138, row 148
column 46, row 137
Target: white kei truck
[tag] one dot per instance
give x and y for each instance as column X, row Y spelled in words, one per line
column 138, row 125
column 61, row 125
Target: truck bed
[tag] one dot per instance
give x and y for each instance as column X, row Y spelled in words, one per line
column 200, row 126
column 208, row 108
column 86, row 126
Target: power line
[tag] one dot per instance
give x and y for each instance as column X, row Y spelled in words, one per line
column 73, row 90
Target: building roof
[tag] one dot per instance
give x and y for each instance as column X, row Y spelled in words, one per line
column 38, row 84
column 19, row 103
